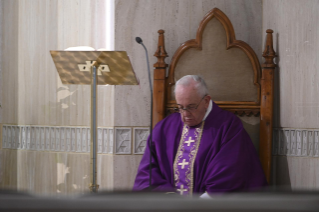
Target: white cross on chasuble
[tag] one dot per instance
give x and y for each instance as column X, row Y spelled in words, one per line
column 183, row 163
column 181, row 190
column 185, row 157
column 189, row 141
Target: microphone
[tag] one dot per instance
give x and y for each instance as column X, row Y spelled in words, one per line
column 139, row 40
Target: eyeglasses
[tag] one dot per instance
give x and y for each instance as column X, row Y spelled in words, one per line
column 188, row 108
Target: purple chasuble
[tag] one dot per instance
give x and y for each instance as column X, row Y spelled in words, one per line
column 224, row 161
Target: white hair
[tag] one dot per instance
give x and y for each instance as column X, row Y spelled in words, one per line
column 200, row 84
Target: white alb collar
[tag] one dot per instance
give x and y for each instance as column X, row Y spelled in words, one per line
column 210, row 108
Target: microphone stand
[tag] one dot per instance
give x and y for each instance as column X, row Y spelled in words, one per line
column 139, row 40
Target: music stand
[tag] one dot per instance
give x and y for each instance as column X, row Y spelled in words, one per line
column 94, row 68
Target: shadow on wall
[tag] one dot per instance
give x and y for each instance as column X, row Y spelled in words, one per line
column 280, row 173
column 8, row 169
column 280, row 169
column 251, row 124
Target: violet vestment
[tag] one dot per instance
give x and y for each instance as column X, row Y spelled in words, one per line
column 225, row 159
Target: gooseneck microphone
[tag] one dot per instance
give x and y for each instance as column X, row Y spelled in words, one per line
column 139, row 40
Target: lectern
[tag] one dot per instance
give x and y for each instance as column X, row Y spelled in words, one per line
column 94, row 68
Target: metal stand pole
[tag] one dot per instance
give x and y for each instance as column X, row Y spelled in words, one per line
column 93, row 187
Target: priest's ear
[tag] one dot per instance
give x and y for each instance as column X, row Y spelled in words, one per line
column 207, row 100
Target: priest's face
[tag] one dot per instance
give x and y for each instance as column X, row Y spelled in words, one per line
column 192, row 106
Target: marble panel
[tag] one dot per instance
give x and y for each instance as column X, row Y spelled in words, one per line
column 28, row 137
column 296, row 42
column 78, row 179
column 73, row 139
column 63, row 172
column 84, row 137
column 295, row 173
column 299, row 142
column 78, row 140
column 63, row 140
column 304, row 151
column 105, row 140
column 140, row 136
column 9, row 69
column 282, row 143
column 42, row 138
column 1, row 54
column 45, row 173
column 1, row 166
column 26, row 165
column 303, row 173
column 105, row 172
column 69, row 165
column 23, row 137
column 68, row 139
column 123, row 140
column 9, row 137
column 310, row 143
column 47, row 139
column 110, row 142
column 316, row 142
column 88, row 140
column 316, row 173
column 9, row 171
column 1, row 125
column 4, row 136
column 99, row 140
column 37, row 138
column 43, row 100
column 293, row 142
column 32, row 140
column 106, row 105
column 57, row 139
column 125, row 169
column 13, row 137
column 18, row 137
column 311, row 174
column 52, row 139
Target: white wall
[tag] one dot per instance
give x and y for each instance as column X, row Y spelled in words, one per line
column 296, row 31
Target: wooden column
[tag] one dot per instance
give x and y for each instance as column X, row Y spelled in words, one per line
column 266, row 107
column 159, row 80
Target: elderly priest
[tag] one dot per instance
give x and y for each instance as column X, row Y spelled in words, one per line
column 200, row 149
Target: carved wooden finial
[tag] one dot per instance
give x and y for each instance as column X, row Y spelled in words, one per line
column 160, row 52
column 269, row 53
